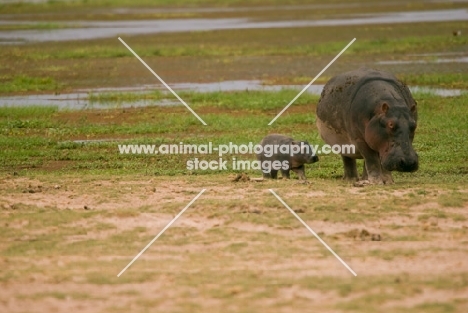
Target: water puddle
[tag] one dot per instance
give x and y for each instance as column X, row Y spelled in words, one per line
column 315, row 89
column 86, row 30
column 438, row 91
column 437, row 54
column 80, row 99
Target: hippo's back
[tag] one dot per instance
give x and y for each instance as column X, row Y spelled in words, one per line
column 276, row 139
column 340, row 91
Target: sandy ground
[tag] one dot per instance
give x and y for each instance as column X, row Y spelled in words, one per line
column 210, row 269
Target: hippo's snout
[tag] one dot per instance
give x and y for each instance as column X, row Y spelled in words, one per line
column 307, row 154
column 404, row 164
column 312, row 159
column 410, row 165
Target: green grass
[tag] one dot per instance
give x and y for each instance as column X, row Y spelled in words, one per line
column 24, row 83
column 446, row 80
column 33, row 137
column 254, row 45
column 252, row 100
column 26, row 113
column 36, row 26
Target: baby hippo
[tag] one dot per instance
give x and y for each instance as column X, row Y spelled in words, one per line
column 284, row 153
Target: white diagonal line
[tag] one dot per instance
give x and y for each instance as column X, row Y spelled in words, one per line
column 313, row 80
column 163, row 82
column 313, row 233
column 161, row 232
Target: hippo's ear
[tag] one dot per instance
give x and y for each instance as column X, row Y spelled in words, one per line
column 384, row 108
column 295, row 142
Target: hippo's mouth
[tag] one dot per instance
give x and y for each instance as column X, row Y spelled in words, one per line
column 313, row 159
column 401, row 165
column 408, row 167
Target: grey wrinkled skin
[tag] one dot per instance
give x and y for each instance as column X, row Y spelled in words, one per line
column 296, row 161
column 376, row 113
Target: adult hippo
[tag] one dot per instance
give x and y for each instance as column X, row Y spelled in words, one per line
column 376, row 113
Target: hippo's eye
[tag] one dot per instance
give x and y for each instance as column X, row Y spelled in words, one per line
column 390, row 125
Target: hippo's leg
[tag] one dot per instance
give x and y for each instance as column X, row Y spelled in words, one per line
column 387, row 177
column 300, row 172
column 364, row 173
column 266, row 175
column 285, row 174
column 372, row 164
column 274, row 174
column 350, row 169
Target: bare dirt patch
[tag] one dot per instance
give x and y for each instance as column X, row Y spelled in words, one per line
column 235, row 245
